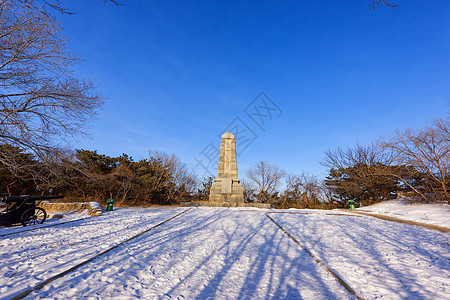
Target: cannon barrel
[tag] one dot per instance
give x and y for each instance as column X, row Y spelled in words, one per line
column 28, row 198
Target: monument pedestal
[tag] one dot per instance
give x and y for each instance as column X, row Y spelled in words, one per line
column 226, row 190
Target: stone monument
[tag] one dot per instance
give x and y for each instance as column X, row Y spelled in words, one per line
column 227, row 187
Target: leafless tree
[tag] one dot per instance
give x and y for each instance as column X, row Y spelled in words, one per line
column 370, row 155
column 302, row 191
column 204, row 187
column 183, row 178
column 42, row 104
column 443, row 128
column 376, row 3
column 56, row 5
column 249, row 191
column 267, row 179
column 428, row 151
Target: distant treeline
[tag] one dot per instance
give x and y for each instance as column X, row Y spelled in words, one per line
column 411, row 163
column 89, row 176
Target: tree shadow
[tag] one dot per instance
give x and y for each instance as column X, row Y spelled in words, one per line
column 261, row 249
column 382, row 252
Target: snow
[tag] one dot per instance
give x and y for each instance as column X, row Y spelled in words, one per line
column 52, row 219
column 434, row 214
column 229, row 253
column 377, row 258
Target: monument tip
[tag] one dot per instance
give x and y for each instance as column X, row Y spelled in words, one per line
column 227, row 135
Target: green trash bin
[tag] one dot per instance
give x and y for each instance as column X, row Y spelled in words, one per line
column 351, row 204
column 110, row 203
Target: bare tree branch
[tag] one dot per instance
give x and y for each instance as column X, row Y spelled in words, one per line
column 42, row 105
column 267, row 178
column 376, row 3
column 428, row 151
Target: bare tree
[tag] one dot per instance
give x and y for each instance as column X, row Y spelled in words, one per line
column 57, row 6
column 267, row 178
column 443, row 128
column 376, row 3
column 428, row 151
column 249, row 191
column 42, row 105
column 204, row 187
column 302, row 191
column 183, row 179
column 370, row 155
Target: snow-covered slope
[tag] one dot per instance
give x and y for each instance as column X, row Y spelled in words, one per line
column 435, row 214
column 227, row 253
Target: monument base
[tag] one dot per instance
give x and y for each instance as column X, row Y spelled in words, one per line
column 227, row 190
column 224, row 204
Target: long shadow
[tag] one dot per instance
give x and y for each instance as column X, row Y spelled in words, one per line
column 266, row 256
column 232, row 256
column 224, row 249
column 372, row 253
column 155, row 239
column 73, row 252
column 274, row 247
column 51, row 237
column 40, row 285
column 372, row 236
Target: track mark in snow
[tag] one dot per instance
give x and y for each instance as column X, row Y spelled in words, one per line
column 208, row 253
column 339, row 279
column 44, row 283
column 377, row 258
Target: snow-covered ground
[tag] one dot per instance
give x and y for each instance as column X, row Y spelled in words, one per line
column 434, row 214
column 52, row 220
column 227, row 253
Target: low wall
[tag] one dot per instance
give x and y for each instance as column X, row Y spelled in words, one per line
column 93, row 207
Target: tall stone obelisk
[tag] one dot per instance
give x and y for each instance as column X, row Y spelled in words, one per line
column 227, row 187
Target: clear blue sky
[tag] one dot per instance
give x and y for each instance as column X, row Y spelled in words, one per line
column 177, row 73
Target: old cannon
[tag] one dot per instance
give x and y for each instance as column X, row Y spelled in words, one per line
column 22, row 209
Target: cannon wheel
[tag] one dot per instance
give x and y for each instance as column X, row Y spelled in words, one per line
column 33, row 216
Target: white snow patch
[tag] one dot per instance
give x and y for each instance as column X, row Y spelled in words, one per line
column 434, row 214
column 378, row 258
